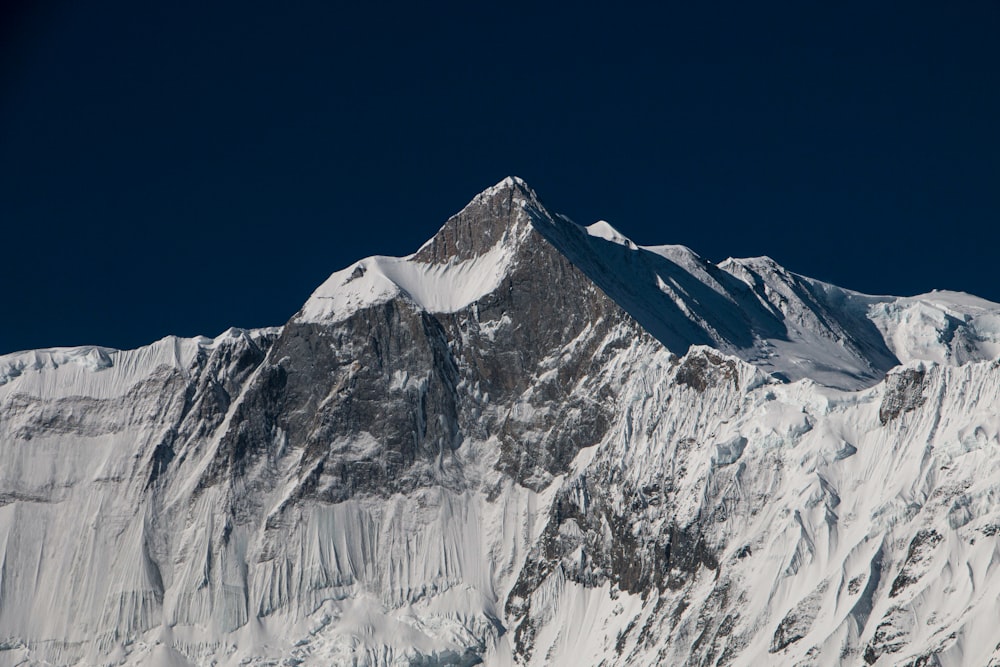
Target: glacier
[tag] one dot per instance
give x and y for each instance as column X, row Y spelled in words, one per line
column 531, row 442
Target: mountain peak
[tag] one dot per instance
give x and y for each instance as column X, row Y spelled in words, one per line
column 466, row 259
column 508, row 184
column 501, row 212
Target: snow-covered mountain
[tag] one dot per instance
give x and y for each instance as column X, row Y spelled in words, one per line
column 530, row 442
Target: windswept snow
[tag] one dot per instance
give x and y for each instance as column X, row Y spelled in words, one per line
column 602, row 229
column 103, row 372
column 436, row 288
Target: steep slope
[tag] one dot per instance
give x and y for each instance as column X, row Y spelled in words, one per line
column 504, row 448
column 778, row 524
column 786, row 324
column 86, row 437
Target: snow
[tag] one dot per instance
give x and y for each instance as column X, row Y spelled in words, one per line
column 946, row 327
column 436, row 288
column 505, row 184
column 103, row 372
column 834, row 490
column 583, row 623
column 603, row 230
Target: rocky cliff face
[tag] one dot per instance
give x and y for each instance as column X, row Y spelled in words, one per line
column 528, row 443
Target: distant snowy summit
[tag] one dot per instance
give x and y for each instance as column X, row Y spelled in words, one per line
column 786, row 324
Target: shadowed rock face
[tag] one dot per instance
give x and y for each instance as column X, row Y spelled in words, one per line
column 696, row 371
column 381, row 402
column 491, row 218
column 903, row 393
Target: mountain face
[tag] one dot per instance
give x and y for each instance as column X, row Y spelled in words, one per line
column 529, row 442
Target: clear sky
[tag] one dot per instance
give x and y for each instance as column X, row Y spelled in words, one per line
column 183, row 167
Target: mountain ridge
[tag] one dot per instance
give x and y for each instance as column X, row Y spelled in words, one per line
column 474, row 256
column 740, row 306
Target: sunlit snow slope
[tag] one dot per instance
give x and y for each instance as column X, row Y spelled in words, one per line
column 530, row 442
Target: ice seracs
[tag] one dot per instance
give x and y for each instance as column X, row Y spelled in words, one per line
column 942, row 326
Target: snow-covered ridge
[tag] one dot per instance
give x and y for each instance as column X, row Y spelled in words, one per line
column 91, row 370
column 436, row 288
column 942, row 326
column 436, row 285
column 785, row 323
column 602, row 229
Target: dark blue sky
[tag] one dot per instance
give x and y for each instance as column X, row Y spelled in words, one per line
column 183, row 167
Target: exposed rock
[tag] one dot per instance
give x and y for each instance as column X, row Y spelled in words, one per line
column 921, row 547
column 903, row 393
